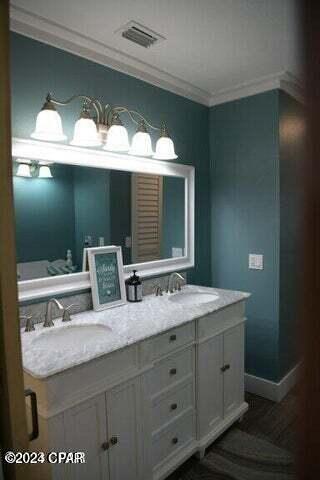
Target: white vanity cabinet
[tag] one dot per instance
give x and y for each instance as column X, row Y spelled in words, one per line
column 141, row 411
column 220, row 372
column 106, row 429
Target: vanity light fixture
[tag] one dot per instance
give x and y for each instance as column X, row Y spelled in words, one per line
column 33, row 169
column 102, row 125
column 48, row 123
column 117, row 136
column 141, row 142
column 165, row 146
column 85, row 130
column 44, row 172
column 24, row 170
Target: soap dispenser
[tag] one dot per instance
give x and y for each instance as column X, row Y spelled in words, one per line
column 134, row 288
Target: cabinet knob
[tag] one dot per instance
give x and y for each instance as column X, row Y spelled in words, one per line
column 173, row 337
column 105, row 446
column 174, row 406
column 174, row 440
column 225, row 368
column 173, row 371
column 114, row 440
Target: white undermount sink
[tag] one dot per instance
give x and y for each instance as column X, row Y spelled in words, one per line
column 64, row 337
column 193, row 298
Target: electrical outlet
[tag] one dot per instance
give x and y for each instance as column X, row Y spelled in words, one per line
column 255, row 261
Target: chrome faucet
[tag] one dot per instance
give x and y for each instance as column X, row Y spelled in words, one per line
column 48, row 322
column 29, row 323
column 158, row 290
column 178, row 279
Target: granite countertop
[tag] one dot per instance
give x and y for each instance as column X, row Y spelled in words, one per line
column 127, row 324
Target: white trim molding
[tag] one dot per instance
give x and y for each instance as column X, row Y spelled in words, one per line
column 39, row 28
column 272, row 390
column 66, row 154
column 51, row 33
column 282, row 80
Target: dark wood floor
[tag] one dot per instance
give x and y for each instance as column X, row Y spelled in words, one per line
column 275, row 422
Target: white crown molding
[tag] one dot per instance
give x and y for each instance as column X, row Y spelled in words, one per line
column 43, row 30
column 290, row 84
column 51, row 33
column 283, row 80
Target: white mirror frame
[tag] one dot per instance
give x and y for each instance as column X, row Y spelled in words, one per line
column 65, row 154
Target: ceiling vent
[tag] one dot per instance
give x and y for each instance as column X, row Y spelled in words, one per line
column 139, row 34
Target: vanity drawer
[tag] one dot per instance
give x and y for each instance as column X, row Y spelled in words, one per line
column 167, row 342
column 168, row 442
column 169, row 371
column 167, row 408
column 215, row 322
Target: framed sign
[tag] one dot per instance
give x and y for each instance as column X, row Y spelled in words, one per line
column 85, row 261
column 106, row 276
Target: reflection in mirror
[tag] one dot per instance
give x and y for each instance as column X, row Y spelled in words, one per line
column 56, row 218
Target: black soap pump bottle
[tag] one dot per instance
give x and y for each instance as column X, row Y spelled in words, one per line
column 134, row 288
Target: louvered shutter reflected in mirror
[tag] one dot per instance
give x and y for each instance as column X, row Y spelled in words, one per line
column 146, row 217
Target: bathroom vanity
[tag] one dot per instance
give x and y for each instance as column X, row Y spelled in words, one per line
column 139, row 388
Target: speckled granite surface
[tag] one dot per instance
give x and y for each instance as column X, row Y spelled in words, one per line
column 83, row 301
column 127, row 325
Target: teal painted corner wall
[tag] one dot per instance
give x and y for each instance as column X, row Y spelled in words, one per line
column 292, row 126
column 37, row 68
column 245, row 217
column 256, row 146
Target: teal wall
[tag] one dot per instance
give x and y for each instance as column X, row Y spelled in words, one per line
column 44, row 211
column 256, row 199
column 246, row 217
column 291, row 130
column 37, row 68
column 91, row 204
column 173, row 215
column 120, row 211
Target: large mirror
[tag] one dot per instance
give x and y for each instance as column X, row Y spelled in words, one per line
column 68, row 199
column 79, row 207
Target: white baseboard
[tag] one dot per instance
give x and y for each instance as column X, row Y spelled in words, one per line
column 272, row 390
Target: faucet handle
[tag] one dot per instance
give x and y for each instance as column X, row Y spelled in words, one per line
column 29, row 323
column 66, row 317
column 158, row 290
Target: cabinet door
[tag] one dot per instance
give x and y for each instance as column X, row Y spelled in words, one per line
column 210, row 384
column 124, row 432
column 86, row 431
column 233, row 353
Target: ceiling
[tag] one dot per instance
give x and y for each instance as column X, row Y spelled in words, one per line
column 214, row 50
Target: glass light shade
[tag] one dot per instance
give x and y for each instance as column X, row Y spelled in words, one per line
column 165, row 149
column 141, row 145
column 117, row 139
column 49, row 126
column 45, row 172
column 23, row 170
column 85, row 133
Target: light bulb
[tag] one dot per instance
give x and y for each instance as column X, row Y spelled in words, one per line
column 117, row 136
column 48, row 124
column 141, row 142
column 165, row 147
column 23, row 170
column 44, row 172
